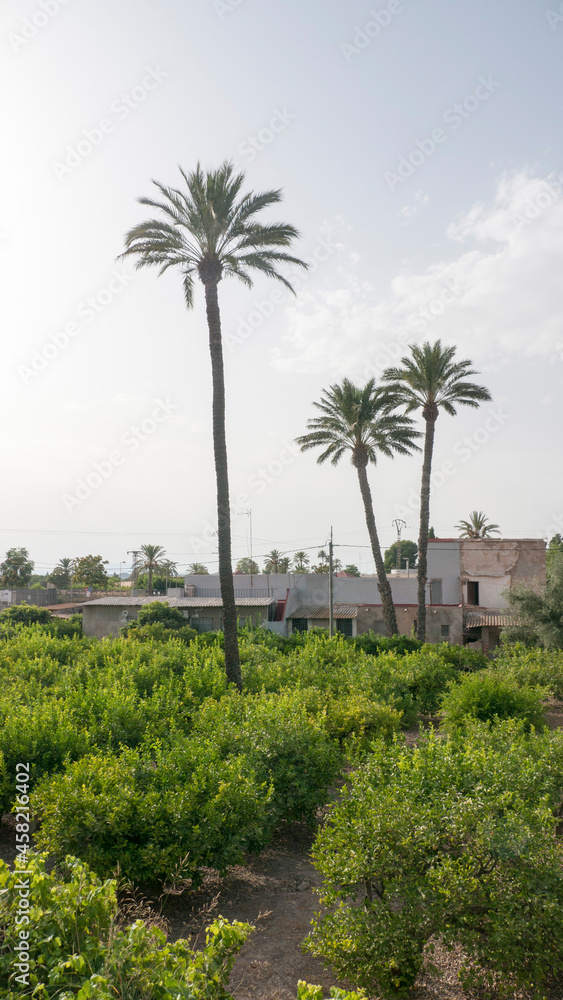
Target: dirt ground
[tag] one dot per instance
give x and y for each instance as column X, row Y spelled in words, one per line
column 275, row 892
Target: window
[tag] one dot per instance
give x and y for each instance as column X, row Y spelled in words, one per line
column 379, row 627
column 473, row 592
column 435, row 591
column 445, row 631
column 202, row 624
column 345, row 626
column 299, row 625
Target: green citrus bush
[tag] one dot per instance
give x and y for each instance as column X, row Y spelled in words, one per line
column 150, row 811
column 455, row 838
column 286, row 747
column 77, row 949
column 533, row 667
column 491, row 695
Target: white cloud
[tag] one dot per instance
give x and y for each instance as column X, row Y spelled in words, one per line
column 501, row 295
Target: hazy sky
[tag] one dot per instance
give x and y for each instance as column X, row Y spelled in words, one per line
column 420, row 151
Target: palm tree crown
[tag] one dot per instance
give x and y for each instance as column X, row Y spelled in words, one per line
column 430, row 380
column 361, row 421
column 150, row 558
column 210, row 232
column 477, row 526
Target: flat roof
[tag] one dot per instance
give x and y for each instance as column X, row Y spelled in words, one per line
column 178, row 602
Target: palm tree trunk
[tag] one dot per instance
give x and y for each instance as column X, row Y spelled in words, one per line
column 232, row 662
column 384, row 586
column 423, row 530
column 149, row 581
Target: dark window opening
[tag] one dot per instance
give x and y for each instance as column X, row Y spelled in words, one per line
column 435, row 591
column 300, row 625
column 379, row 627
column 344, row 626
column 445, row 631
column 473, row 592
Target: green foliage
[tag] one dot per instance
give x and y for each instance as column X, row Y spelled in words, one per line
column 16, row 569
column 307, row 992
column 247, row 565
column 491, row 695
column 554, row 551
column 25, row 614
column 287, row 748
column 154, row 810
column 533, row 667
column 455, row 838
column 89, row 572
column 409, row 550
column 374, row 644
column 159, row 621
column 79, row 950
column 538, row 611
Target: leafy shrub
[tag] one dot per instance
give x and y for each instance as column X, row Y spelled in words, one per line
column 159, row 621
column 286, row 747
column 25, row 614
column 453, row 837
column 149, row 810
column 307, row 992
column 374, row 644
column 533, row 667
column 77, row 949
column 430, row 675
column 491, row 695
column 359, row 716
column 42, row 735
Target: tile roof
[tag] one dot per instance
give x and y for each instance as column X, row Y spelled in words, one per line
column 474, row 619
column 340, row 611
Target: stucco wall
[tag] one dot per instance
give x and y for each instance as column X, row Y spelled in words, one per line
column 497, row 564
column 102, row 620
column 406, row 617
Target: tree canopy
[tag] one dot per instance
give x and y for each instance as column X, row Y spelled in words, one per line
column 16, row 569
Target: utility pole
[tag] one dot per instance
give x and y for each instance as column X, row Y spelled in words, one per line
column 249, row 513
column 399, row 524
column 330, row 588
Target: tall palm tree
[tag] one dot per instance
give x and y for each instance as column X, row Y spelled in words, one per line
column 430, row 380
column 477, row 526
column 208, row 232
column 150, row 559
column 360, row 421
column 301, row 561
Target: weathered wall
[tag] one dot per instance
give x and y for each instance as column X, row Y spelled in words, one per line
column 497, row 564
column 406, row 617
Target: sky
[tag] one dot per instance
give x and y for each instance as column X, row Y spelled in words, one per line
column 419, row 149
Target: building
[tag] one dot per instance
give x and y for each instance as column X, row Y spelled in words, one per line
column 466, row 603
column 467, row 581
column 106, row 616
